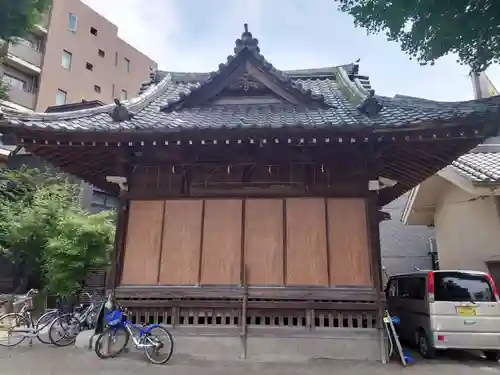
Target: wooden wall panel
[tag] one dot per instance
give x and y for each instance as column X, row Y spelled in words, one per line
column 180, row 258
column 143, row 242
column 264, row 241
column 221, row 251
column 306, row 253
column 348, row 242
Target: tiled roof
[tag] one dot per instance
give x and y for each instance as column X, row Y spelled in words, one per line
column 480, row 167
column 396, row 112
column 341, row 88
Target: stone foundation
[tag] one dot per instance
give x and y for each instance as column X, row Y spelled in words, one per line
column 345, row 344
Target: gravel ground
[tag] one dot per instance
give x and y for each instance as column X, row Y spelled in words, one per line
column 46, row 360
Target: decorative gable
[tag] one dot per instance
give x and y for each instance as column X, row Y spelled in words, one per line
column 247, row 75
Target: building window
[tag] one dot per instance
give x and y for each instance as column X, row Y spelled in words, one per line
column 116, row 58
column 113, row 90
column 101, row 53
column 66, row 60
column 93, row 31
column 14, row 82
column 123, row 95
column 97, row 89
column 89, row 66
column 61, row 97
column 127, row 65
column 72, row 21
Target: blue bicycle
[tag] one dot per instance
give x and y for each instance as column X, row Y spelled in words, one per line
column 154, row 338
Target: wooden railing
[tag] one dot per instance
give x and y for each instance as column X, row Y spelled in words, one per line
column 252, row 311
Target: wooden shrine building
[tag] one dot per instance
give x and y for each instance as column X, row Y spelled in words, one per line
column 250, row 196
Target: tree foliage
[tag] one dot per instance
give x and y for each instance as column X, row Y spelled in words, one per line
column 17, row 17
column 46, row 234
column 4, row 92
column 430, row 29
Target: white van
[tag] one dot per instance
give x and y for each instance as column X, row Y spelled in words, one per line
column 446, row 310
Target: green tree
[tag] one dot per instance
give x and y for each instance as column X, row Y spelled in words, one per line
column 4, row 92
column 46, row 234
column 17, row 18
column 430, row 29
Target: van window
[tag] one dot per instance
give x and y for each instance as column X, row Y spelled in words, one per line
column 462, row 287
column 417, row 288
column 392, row 288
column 412, row 288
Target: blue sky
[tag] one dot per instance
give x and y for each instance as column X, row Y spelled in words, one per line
column 197, row 35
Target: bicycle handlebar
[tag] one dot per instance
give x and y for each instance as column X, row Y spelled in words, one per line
column 32, row 291
column 89, row 296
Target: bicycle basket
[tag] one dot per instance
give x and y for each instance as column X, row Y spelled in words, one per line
column 114, row 318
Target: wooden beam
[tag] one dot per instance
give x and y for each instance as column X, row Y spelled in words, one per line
column 348, row 293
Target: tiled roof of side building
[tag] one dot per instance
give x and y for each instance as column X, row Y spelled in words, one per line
column 331, row 97
column 481, row 166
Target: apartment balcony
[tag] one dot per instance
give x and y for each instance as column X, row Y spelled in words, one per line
column 23, row 56
column 24, row 98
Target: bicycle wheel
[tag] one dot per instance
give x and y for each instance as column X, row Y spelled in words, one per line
column 10, row 326
column 64, row 329
column 107, row 339
column 159, row 345
column 42, row 326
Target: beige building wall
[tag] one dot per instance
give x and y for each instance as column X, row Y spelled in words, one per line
column 108, row 76
column 467, row 230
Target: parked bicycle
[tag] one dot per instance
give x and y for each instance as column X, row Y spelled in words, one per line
column 16, row 327
column 64, row 329
column 147, row 337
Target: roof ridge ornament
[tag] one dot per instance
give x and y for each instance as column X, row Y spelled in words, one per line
column 246, row 41
column 370, row 106
column 120, row 112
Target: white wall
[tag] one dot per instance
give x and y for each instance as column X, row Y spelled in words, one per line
column 467, row 230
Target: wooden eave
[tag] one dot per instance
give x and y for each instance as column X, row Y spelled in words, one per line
column 408, row 155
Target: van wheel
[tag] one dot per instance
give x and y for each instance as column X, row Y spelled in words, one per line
column 424, row 346
column 492, row 355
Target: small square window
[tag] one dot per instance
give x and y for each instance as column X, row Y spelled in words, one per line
column 127, row 65
column 101, row 53
column 93, row 31
column 123, row 95
column 89, row 66
column 72, row 22
column 61, row 97
column 66, row 60
column 97, row 89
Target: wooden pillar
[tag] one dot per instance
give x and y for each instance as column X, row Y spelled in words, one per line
column 373, row 219
column 119, row 247
column 122, row 214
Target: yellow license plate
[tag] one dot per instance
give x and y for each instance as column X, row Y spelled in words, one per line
column 466, row 311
